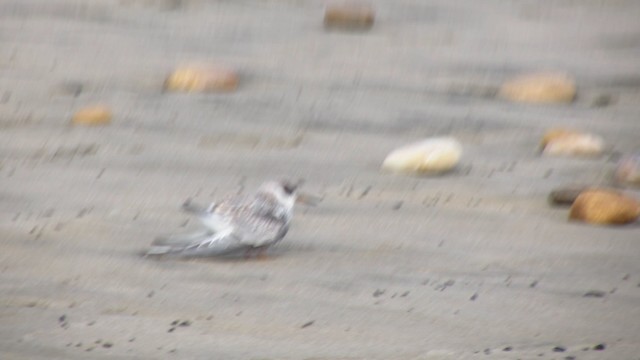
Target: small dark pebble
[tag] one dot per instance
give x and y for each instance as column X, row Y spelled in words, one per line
column 559, row 349
column 378, row 292
column 487, row 351
column 446, row 284
column 397, row 205
column 600, row 347
column 595, row 293
column 565, row 196
column 626, row 277
column 71, row 88
column 365, row 192
column 533, row 284
column 175, row 322
column 185, row 323
column 90, row 348
column 172, row 351
column 107, row 345
column 508, row 348
column 171, row 330
column 150, row 294
column 405, row 294
column 132, row 339
column 585, row 349
column 62, row 318
column 473, row 297
column 79, row 344
column 602, row 100
column 98, row 341
column 91, row 323
column 307, row 324
column 570, row 357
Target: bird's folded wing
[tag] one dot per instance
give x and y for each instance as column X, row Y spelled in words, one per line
column 195, row 244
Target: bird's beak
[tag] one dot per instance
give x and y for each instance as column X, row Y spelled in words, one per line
column 308, row 199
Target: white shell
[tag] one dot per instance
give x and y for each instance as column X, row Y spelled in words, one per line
column 432, row 155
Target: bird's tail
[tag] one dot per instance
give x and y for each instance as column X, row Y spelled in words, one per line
column 176, row 243
column 207, row 216
column 196, row 209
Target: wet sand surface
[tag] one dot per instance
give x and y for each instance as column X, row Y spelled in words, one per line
column 472, row 264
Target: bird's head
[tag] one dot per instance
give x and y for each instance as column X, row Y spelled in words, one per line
column 284, row 191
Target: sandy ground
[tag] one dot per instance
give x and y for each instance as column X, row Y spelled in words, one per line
column 470, row 265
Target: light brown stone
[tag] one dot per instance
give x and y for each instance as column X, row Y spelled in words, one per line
column 540, row 88
column 432, row 155
column 92, row 115
column 556, row 133
column 566, row 142
column 201, row 78
column 349, row 16
column 604, row 207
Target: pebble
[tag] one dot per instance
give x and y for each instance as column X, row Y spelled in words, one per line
column 539, row 88
column 556, row 133
column 73, row 88
column 603, row 100
column 92, row 115
column 566, row 142
column 604, row 207
column 432, row 155
column 628, row 170
column 201, row 78
column 559, row 349
column 350, row 16
column 566, row 195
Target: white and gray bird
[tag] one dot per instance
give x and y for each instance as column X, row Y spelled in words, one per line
column 235, row 225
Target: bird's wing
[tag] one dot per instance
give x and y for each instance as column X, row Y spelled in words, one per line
column 200, row 243
column 260, row 221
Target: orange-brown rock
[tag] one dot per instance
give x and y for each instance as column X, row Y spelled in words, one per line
column 539, row 88
column 92, row 115
column 201, row 78
column 604, row 207
column 349, row 16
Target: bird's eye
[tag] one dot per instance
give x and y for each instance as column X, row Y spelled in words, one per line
column 288, row 188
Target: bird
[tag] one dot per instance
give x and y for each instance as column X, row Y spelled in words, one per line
column 236, row 224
